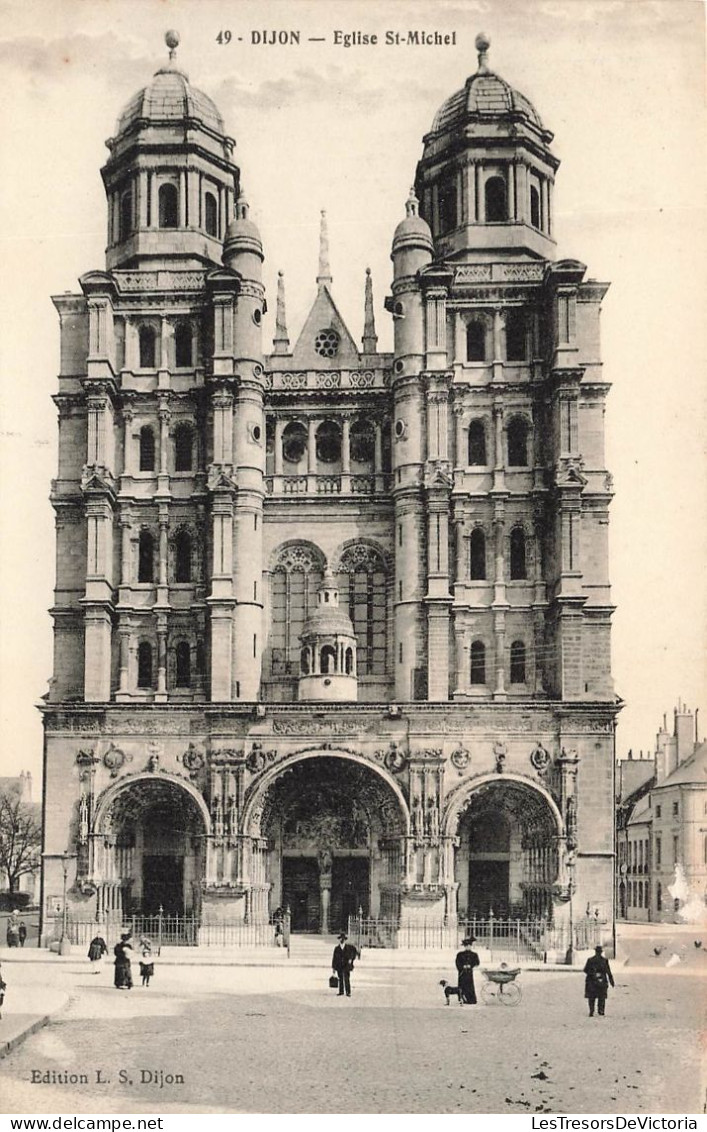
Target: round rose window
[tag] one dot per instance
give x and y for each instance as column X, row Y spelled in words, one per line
column 326, row 343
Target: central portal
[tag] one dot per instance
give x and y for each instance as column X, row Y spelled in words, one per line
column 334, row 829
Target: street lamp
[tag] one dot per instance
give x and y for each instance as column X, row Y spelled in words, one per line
column 569, row 954
column 64, row 943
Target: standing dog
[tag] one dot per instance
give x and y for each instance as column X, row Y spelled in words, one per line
column 450, row 991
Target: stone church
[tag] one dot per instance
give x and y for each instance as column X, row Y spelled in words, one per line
column 331, row 625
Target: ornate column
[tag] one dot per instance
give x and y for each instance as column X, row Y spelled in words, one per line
column 164, row 417
column 345, row 453
column 126, row 531
column 125, row 641
column 480, row 200
column 312, row 455
column 460, row 460
column 511, row 176
column 161, row 693
column 182, row 198
column 378, row 456
column 279, row 429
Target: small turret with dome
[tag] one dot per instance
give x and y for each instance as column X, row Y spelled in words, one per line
column 486, row 174
column 170, row 178
column 328, row 656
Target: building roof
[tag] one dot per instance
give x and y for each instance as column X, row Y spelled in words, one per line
column 691, row 772
column 170, row 98
column 485, row 94
column 641, row 812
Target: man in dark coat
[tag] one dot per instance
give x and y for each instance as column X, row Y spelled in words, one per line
column 466, row 961
column 342, row 963
column 597, row 978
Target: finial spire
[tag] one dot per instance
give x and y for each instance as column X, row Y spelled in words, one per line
column 482, row 44
column 324, row 276
column 281, row 342
column 171, row 38
column 370, row 338
column 242, row 206
column 411, row 203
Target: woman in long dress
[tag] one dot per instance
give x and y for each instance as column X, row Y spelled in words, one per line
column 123, row 973
column 466, row 961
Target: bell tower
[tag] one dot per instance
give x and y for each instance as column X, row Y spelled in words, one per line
column 486, row 175
column 170, row 179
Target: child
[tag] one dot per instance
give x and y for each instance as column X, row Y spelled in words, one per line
column 147, row 962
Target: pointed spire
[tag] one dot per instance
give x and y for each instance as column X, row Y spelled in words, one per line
column 370, row 338
column 482, row 44
column 281, row 342
column 324, row 276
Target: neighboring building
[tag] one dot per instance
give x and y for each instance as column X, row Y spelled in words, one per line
column 634, row 779
column 662, row 829
column 332, row 626
column 20, row 786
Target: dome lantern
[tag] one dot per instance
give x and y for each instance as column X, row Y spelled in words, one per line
column 486, row 175
column 328, row 656
column 170, row 178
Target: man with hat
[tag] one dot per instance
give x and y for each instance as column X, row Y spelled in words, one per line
column 466, row 960
column 597, row 978
column 342, row 963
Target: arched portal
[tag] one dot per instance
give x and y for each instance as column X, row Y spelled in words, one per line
column 149, row 847
column 507, row 860
column 335, row 834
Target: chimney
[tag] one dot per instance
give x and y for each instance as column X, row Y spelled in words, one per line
column 684, row 734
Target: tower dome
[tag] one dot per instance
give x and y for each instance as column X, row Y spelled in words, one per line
column 486, row 174
column 170, row 178
column 169, row 98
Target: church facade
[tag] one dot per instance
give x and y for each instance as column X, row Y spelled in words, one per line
column 332, row 626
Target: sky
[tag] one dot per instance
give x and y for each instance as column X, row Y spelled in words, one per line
column 621, row 84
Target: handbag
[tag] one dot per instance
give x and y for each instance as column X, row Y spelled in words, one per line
column 333, row 982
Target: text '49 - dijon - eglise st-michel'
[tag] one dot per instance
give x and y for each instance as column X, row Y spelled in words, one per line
column 271, row 37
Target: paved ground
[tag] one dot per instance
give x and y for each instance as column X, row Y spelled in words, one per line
column 249, row 1040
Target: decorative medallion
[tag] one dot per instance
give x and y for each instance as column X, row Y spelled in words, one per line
column 540, row 758
column 395, row 760
column 499, row 753
column 193, row 759
column 256, row 760
column 114, row 760
column 460, row 759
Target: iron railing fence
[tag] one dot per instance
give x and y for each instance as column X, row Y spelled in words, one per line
column 504, row 939
column 184, row 931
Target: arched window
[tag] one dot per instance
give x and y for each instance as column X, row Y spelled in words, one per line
column 447, row 204
column 126, row 214
column 304, row 662
column 295, row 584
column 145, row 557
column 362, row 442
column 183, row 345
column 328, row 442
column 327, row 660
column 183, row 448
column 659, row 897
column 517, row 663
column 478, row 662
column 516, row 326
column 210, row 214
column 147, row 449
column 348, row 665
column 168, row 199
column 182, row 557
column 534, row 207
column 362, row 590
column 495, row 196
column 518, row 443
column 477, row 444
column 148, row 338
column 477, row 555
column 518, row 555
column 294, row 442
column 182, row 655
column 144, row 665
column 476, row 342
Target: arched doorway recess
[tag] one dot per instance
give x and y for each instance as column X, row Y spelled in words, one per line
column 335, row 834
column 508, row 857
column 148, row 847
